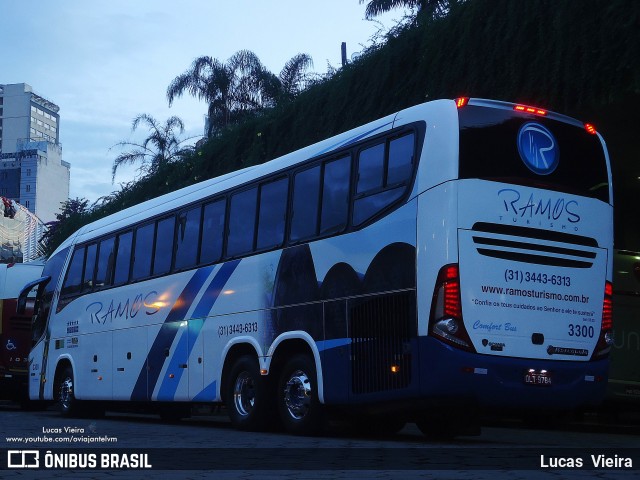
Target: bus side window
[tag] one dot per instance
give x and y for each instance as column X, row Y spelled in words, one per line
column 372, row 197
column 106, row 257
column 400, row 159
column 143, row 252
column 242, row 222
column 187, row 238
column 89, row 268
column 163, row 254
column 366, row 207
column 335, row 196
column 123, row 258
column 370, row 168
column 212, row 231
column 306, row 204
column 273, row 212
column 73, row 279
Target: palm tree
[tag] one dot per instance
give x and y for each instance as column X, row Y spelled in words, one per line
column 231, row 89
column 435, row 8
column 292, row 78
column 239, row 87
column 162, row 145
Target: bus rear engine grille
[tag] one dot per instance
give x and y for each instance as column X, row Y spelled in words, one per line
column 497, row 241
column 381, row 329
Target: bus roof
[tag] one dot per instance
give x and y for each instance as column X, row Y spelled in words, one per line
column 211, row 187
column 193, row 193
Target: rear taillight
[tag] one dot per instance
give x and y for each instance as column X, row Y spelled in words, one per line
column 605, row 341
column 445, row 322
column 528, row 109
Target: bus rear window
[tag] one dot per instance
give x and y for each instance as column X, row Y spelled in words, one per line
column 489, row 150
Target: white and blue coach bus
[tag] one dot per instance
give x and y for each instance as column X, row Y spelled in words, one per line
column 452, row 256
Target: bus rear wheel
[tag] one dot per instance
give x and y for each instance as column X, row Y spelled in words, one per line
column 300, row 409
column 246, row 395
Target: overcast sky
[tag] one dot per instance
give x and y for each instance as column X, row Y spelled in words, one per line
column 104, row 62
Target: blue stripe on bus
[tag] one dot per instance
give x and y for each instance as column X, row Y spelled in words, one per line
column 186, row 343
column 214, row 289
column 208, row 394
column 334, row 343
column 155, row 357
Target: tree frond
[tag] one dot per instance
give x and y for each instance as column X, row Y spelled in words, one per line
column 160, row 147
column 293, row 76
column 124, row 159
column 434, row 8
column 195, row 80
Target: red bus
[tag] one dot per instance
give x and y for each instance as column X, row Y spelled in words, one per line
column 15, row 330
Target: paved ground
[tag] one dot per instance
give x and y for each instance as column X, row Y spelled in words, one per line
column 207, row 447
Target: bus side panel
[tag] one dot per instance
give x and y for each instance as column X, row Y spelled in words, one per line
column 366, row 282
column 437, row 243
column 220, row 334
column 35, row 370
column 165, row 370
column 195, row 358
column 129, row 360
column 94, row 373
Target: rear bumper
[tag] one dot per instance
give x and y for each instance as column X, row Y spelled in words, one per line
column 498, row 382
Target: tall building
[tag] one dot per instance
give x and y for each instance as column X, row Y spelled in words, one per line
column 32, row 171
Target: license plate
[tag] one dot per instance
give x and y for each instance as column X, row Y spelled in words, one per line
column 542, row 379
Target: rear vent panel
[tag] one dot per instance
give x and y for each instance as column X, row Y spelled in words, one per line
column 497, row 241
column 381, row 328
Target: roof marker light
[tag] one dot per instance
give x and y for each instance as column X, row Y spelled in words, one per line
column 461, row 101
column 590, row 128
column 528, row 109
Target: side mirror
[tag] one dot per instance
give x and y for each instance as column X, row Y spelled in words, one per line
column 24, row 293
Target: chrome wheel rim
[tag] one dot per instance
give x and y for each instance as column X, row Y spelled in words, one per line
column 66, row 392
column 244, row 396
column 297, row 394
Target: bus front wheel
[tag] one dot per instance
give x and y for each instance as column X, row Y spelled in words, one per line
column 69, row 406
column 300, row 409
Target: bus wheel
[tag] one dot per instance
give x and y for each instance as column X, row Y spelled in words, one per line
column 69, row 406
column 300, row 409
column 246, row 395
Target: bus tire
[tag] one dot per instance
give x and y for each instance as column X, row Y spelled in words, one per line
column 246, row 395
column 300, row 409
column 64, row 388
